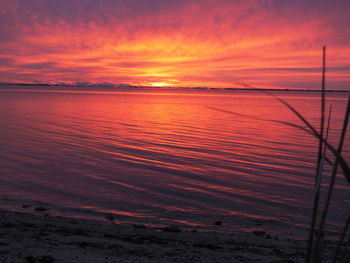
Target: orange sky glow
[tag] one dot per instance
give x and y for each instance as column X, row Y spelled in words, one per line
column 265, row 44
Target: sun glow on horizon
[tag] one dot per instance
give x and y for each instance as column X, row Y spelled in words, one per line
column 162, row 84
column 190, row 43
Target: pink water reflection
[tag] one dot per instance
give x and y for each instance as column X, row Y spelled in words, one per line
column 164, row 157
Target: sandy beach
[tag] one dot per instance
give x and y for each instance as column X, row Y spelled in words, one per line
column 43, row 238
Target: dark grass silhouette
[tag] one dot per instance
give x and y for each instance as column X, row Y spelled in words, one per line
column 315, row 249
column 319, row 168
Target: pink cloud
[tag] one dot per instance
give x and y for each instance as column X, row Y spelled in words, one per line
column 199, row 43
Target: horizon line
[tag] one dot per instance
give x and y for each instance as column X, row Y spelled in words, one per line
column 125, row 85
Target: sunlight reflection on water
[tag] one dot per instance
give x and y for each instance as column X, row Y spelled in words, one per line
column 165, row 156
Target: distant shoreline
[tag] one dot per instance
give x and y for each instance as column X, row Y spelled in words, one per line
column 118, row 86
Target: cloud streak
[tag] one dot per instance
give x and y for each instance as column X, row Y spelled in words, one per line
column 183, row 43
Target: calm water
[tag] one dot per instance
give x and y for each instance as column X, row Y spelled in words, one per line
column 164, row 157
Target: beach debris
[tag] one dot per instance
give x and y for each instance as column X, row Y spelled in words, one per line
column 172, row 229
column 110, row 217
column 218, row 223
column 42, row 259
column 31, row 259
column 139, row 226
column 73, row 231
column 259, row 233
column 41, row 209
column 46, row 259
column 207, row 246
column 9, row 224
column 85, row 244
column 110, row 236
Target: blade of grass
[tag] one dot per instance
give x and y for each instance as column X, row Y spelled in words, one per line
column 261, row 119
column 327, row 130
column 345, row 257
column 310, row 130
column 318, row 253
column 336, row 153
column 335, row 168
column 320, row 161
column 323, row 102
column 341, row 238
column 314, row 212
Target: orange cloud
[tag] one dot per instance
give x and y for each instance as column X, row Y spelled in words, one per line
column 180, row 43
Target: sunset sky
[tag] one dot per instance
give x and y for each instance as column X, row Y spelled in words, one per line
column 266, row 44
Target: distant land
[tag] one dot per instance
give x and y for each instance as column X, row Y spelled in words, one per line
column 124, row 85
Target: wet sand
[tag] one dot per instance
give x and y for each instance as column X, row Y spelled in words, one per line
column 43, row 238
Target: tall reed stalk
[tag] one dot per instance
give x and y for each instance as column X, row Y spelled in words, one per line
column 341, row 240
column 332, row 181
column 315, row 253
column 320, row 161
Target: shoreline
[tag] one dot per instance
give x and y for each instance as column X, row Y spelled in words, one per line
column 27, row 237
column 115, row 87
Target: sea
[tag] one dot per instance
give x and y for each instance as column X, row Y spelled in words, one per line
column 202, row 159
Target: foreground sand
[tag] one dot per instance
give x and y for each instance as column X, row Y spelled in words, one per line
column 38, row 238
